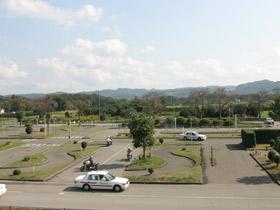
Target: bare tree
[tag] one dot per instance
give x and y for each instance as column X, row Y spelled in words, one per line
column 259, row 100
column 222, row 98
column 152, row 103
column 198, row 98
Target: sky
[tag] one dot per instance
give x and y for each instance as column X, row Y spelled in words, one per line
column 86, row 45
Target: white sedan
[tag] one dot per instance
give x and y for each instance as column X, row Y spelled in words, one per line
column 192, row 135
column 3, row 189
column 101, row 180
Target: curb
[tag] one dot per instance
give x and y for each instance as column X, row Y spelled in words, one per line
column 271, row 176
column 167, row 183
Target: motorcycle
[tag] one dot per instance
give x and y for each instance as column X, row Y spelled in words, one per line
column 129, row 155
column 109, row 142
column 89, row 166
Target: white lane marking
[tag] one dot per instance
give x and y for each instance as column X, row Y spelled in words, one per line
column 14, row 191
column 115, row 154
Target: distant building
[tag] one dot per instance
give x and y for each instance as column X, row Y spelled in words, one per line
column 2, row 111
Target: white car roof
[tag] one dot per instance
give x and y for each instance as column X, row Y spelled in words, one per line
column 97, row 172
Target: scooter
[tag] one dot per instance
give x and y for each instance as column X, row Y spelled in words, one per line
column 129, row 156
column 109, row 142
column 89, row 166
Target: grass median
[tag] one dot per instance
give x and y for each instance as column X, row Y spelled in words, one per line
column 182, row 175
column 28, row 161
column 9, row 145
column 143, row 164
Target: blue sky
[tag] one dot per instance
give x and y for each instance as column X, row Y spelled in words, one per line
column 73, row 46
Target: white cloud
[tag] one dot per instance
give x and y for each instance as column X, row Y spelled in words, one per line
column 9, row 70
column 114, row 31
column 148, row 49
column 100, row 64
column 43, row 10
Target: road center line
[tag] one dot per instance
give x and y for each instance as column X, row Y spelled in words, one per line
column 115, row 154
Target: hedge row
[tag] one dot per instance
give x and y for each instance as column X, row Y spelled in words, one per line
column 262, row 136
column 248, row 137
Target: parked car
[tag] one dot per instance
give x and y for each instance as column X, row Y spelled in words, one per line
column 269, row 121
column 193, row 135
column 101, row 180
column 3, row 189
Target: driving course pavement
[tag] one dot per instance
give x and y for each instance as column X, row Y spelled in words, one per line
column 236, row 183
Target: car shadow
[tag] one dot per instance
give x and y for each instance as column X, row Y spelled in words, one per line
column 255, row 180
column 79, row 189
column 233, row 147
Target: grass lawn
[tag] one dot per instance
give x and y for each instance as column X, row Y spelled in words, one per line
column 32, row 160
column 9, row 145
column 152, row 162
column 80, row 153
column 268, row 165
column 36, row 175
column 190, row 175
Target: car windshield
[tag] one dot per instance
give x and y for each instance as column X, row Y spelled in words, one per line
column 110, row 177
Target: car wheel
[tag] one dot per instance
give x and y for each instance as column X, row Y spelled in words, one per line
column 117, row 188
column 86, row 187
column 199, row 139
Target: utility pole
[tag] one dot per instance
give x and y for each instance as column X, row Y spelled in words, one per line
column 99, row 105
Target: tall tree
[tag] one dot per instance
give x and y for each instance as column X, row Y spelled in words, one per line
column 275, row 109
column 142, row 129
column 222, row 98
column 20, row 116
column 48, row 120
column 152, row 103
column 198, row 98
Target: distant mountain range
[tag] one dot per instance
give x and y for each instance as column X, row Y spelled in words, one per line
column 127, row 93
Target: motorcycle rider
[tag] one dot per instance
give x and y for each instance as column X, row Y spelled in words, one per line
column 109, row 140
column 129, row 153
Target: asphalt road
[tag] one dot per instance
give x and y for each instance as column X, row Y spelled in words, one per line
column 210, row 196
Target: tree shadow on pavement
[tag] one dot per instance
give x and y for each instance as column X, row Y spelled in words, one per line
column 255, row 180
column 233, row 147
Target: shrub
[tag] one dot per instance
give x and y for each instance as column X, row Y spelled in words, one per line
column 181, row 121
column 217, row 123
column 248, row 138
column 192, row 122
column 28, row 129
column 183, row 149
column 75, row 142
column 161, row 140
column 7, row 143
column 204, row 122
column 277, row 159
column 276, row 145
column 26, row 158
column 271, row 155
column 84, row 145
column 42, row 129
column 263, row 136
column 150, row 170
column 16, row 172
column 272, row 142
column 227, row 122
column 184, row 113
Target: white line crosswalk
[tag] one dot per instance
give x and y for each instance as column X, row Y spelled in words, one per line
column 42, row 145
